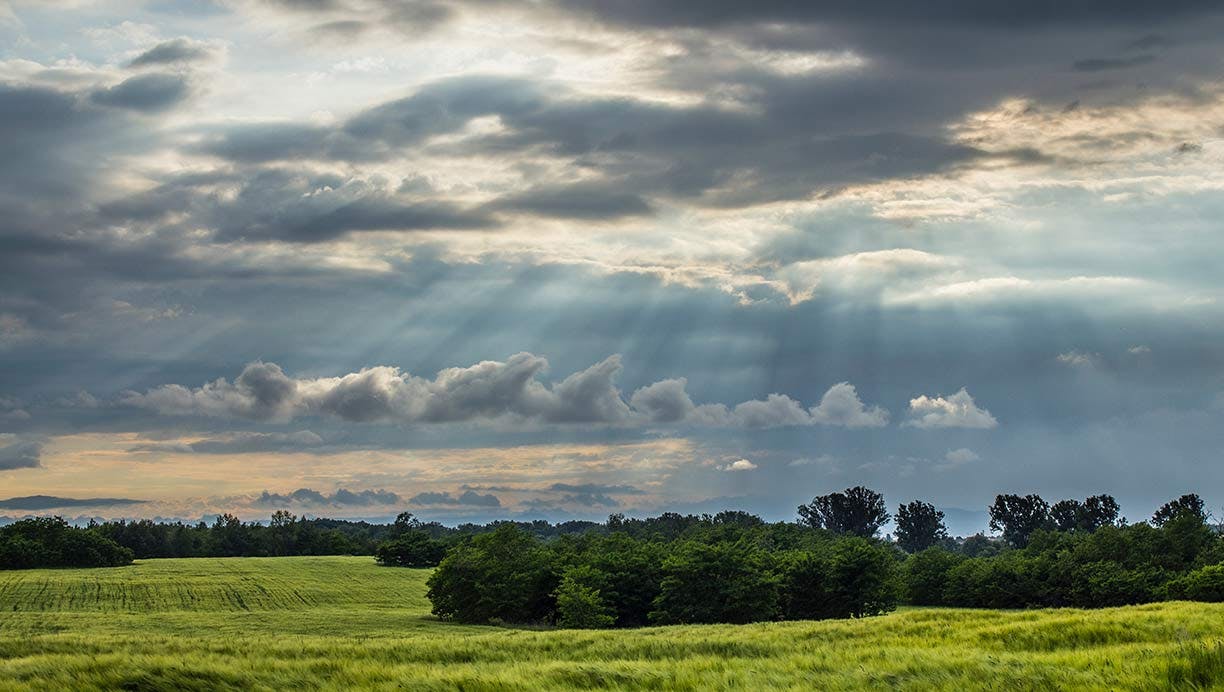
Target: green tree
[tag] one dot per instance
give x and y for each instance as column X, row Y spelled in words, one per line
column 1017, row 517
column 862, row 578
column 579, row 605
column 919, row 526
column 1089, row 515
column 926, row 574
column 858, row 511
column 1189, row 503
column 720, row 582
column 504, row 575
column 411, row 549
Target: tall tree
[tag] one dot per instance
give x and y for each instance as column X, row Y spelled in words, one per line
column 1017, row 517
column 1089, row 515
column 919, row 526
column 1189, row 504
column 1066, row 514
column 858, row 511
column 1100, row 510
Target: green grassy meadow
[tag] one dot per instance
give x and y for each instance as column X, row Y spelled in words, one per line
column 343, row 622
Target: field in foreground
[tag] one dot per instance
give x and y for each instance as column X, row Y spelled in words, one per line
column 337, row 622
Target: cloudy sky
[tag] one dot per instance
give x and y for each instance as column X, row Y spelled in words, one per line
column 491, row 258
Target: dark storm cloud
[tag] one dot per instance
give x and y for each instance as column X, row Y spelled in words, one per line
column 306, row 5
column 346, row 29
column 37, row 502
column 148, row 93
column 590, row 500
column 468, row 498
column 240, row 443
column 51, row 141
column 340, row 498
column 1103, row 64
column 969, row 13
column 705, row 153
column 595, row 488
column 179, row 51
column 291, row 206
column 301, row 223
column 16, row 453
column 588, row 201
column 699, row 14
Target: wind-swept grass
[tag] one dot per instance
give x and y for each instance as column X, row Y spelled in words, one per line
column 339, row 623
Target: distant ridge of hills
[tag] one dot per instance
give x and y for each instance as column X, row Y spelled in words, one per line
column 33, row 502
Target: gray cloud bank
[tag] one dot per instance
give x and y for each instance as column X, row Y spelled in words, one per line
column 340, row 498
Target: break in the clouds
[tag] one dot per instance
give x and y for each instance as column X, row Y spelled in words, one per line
column 273, row 245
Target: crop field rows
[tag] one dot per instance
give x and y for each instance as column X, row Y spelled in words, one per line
column 335, row 623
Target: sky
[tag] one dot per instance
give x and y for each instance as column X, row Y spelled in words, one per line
column 482, row 259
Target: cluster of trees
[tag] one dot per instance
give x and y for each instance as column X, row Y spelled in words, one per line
column 406, row 542
column 52, row 542
column 730, row 568
column 1075, row 553
column 733, row 567
column 229, row 536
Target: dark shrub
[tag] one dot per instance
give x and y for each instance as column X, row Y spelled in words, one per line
column 411, row 549
column 504, row 575
column 926, row 573
column 720, row 582
column 1203, row 584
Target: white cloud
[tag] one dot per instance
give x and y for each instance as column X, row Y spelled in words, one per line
column 1077, row 359
column 955, row 411
column 860, row 271
column 1013, row 288
column 491, row 390
column 841, row 406
column 738, row 465
column 826, row 461
column 1139, row 350
column 960, row 457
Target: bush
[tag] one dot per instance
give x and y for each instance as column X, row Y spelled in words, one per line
column 720, row 582
column 862, row 579
column 411, row 549
column 925, row 575
column 804, row 586
column 1203, row 584
column 504, row 575
column 627, row 573
column 579, row 606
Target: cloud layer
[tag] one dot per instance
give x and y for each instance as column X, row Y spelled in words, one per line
column 488, row 391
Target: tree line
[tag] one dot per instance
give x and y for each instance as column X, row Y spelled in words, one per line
column 733, row 567
column 728, row 567
column 52, row 542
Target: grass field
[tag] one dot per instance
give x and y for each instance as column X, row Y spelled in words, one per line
column 337, row 623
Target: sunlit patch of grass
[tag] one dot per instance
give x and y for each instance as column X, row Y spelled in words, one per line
column 344, row 623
